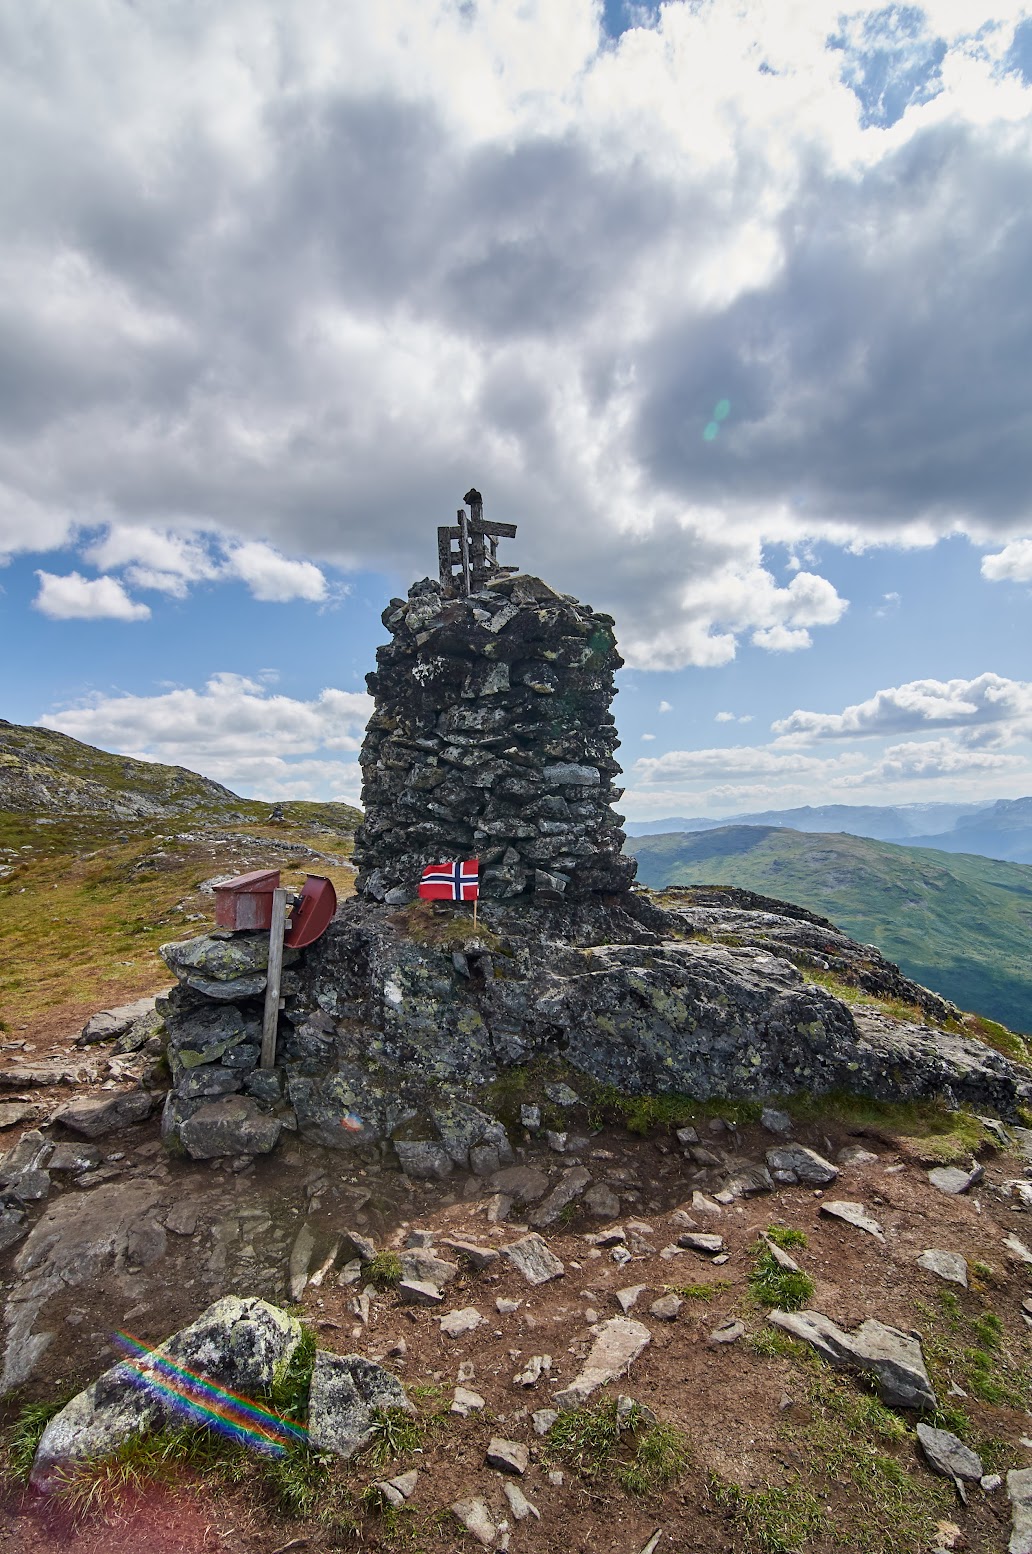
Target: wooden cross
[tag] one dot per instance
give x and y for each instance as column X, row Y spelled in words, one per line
column 468, row 550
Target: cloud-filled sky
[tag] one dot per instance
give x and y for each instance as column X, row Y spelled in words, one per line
column 724, row 302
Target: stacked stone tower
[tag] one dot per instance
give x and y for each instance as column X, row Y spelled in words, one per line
column 492, row 735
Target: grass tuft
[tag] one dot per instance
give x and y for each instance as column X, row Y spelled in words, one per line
column 774, row 1286
column 384, row 1271
column 23, row 1436
column 785, row 1236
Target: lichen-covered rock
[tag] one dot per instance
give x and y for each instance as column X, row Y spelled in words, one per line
column 346, row 1393
column 222, row 957
column 226, row 1125
column 492, row 737
column 241, row 1345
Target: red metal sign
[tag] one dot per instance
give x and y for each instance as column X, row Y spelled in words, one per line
column 313, row 912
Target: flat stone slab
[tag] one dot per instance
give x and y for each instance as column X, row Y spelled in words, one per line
column 701, row 1241
column 947, row 1454
column 618, row 1343
column 346, row 1392
column 475, row 1515
column 946, row 1265
column 852, row 1214
column 108, row 1024
column 951, row 1179
column 14, row 1112
column 420, row 1264
column 523, row 1184
column 894, row 1360
column 532, row 1257
column 238, row 1344
column 418, row 1292
column 95, row 1118
column 795, row 1163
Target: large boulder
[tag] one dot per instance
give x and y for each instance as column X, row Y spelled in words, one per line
column 241, row 1345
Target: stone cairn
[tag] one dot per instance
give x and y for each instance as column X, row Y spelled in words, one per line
column 492, row 735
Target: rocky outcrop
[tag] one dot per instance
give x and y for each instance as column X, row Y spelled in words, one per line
column 240, row 1345
column 492, row 737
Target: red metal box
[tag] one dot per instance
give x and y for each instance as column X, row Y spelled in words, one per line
column 246, row 902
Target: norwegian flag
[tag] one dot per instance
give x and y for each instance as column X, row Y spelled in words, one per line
column 451, row 881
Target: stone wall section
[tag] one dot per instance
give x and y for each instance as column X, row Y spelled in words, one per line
column 492, row 737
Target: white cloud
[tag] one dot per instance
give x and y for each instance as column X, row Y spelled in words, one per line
column 273, row 577
column 724, row 717
column 232, row 729
column 74, row 597
column 930, row 758
column 988, row 705
column 735, row 761
column 782, row 639
column 298, row 277
column 1012, row 564
column 648, row 736
column 666, row 706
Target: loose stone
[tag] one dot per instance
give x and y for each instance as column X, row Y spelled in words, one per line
column 458, row 1323
column 852, row 1214
column 532, row 1258
column 666, row 1308
column 947, row 1454
column 946, row 1265
column 618, row 1343
column 701, row 1241
column 795, row 1163
column 893, row 1359
column 519, row 1505
column 507, row 1456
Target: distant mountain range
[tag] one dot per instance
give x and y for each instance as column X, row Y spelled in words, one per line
column 1002, row 829
column 958, row 923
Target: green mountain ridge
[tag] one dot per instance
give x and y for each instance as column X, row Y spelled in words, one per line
column 958, row 923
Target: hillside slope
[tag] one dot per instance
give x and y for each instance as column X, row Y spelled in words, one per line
column 102, row 857
column 957, row 923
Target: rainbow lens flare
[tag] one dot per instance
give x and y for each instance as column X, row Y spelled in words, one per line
column 201, row 1401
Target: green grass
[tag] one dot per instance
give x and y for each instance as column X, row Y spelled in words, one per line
column 786, row 1236
column 23, row 1434
column 289, row 1393
column 398, row 1434
column 776, row 1520
column 953, row 922
column 972, row 1350
column 643, row 1455
column 704, row 1291
column 774, row 1286
column 384, row 1270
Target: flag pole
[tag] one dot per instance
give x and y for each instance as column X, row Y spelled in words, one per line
column 475, row 899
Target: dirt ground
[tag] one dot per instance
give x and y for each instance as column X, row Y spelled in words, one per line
column 748, row 1416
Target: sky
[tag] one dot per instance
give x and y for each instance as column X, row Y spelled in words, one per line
column 725, row 303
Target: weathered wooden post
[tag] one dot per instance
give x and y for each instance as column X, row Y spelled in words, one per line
column 272, row 989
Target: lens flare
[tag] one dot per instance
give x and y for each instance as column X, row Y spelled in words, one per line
column 353, row 1122
column 711, row 431
column 721, row 410
column 194, row 1395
